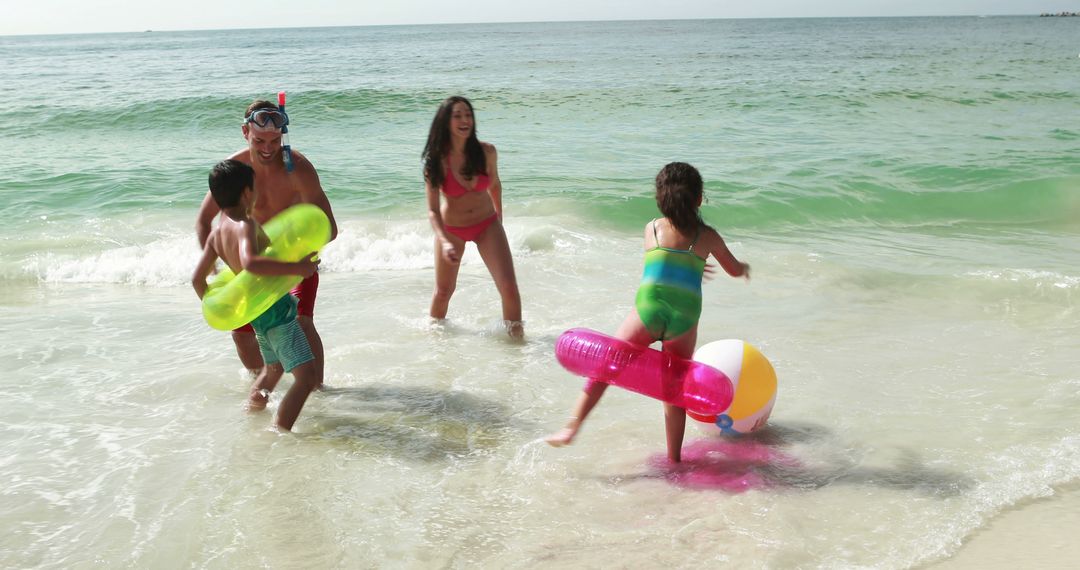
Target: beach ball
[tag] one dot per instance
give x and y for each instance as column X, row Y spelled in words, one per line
column 753, row 378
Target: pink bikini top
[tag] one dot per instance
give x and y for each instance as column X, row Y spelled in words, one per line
column 454, row 189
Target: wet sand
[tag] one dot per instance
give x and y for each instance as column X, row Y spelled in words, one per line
column 1040, row 533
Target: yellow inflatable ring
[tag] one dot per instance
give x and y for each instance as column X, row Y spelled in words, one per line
column 232, row 301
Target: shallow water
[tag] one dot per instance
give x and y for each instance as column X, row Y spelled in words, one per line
column 903, row 188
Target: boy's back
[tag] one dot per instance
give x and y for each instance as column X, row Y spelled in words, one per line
column 231, row 237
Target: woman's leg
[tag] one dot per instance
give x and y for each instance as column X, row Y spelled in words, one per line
column 495, row 251
column 446, row 274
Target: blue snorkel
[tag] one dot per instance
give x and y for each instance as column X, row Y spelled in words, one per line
column 286, row 150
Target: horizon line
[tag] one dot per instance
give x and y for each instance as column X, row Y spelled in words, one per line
column 509, row 22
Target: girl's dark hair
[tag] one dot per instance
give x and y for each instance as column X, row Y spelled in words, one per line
column 438, row 145
column 678, row 193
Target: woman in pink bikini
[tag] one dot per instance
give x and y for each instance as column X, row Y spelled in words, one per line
column 464, row 172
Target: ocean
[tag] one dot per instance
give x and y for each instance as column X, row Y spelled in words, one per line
column 906, row 190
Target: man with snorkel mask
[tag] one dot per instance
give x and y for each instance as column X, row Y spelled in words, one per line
column 279, row 186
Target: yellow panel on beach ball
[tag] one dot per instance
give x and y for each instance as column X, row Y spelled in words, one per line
column 753, row 378
column 757, row 385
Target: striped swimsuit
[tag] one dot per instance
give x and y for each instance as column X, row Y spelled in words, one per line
column 669, row 297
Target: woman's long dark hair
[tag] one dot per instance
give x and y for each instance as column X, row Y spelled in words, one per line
column 438, row 145
column 678, row 192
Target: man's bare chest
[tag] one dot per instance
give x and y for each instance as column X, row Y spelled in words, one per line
column 273, row 199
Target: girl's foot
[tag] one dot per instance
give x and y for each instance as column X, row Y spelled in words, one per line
column 562, row 437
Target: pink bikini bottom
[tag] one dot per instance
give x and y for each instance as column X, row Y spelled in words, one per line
column 471, row 233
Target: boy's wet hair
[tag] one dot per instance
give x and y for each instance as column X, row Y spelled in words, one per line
column 228, row 179
column 679, row 189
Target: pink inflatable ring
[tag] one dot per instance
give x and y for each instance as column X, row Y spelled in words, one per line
column 697, row 387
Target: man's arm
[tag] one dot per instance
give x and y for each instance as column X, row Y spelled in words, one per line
column 312, row 191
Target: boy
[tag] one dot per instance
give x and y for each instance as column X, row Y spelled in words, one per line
column 237, row 240
column 278, row 189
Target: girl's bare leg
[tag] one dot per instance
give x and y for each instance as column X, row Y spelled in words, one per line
column 632, row 330
column 675, row 429
column 588, row 399
column 674, row 416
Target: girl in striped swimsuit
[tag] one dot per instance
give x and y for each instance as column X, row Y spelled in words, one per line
column 668, row 302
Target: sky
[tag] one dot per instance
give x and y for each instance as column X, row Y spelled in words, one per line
column 94, row 16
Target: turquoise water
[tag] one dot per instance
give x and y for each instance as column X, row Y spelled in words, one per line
column 906, row 189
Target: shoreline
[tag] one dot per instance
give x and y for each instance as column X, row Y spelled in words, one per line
column 1039, row 533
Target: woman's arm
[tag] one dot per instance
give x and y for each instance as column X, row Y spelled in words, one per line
column 448, row 251
column 495, row 189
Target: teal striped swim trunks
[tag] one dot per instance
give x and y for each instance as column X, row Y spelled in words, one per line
column 280, row 337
